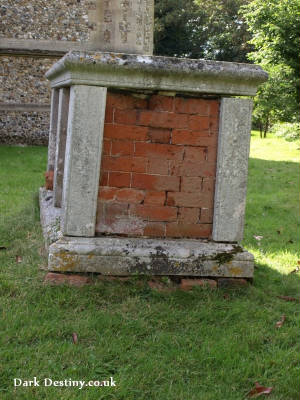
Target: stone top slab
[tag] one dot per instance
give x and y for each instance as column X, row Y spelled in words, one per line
column 143, row 72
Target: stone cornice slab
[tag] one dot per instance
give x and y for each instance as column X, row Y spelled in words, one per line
column 139, row 72
column 39, row 48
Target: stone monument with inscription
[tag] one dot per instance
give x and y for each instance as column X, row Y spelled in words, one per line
column 149, row 156
column 124, row 26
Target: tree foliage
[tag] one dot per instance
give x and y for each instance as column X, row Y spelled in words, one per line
column 276, row 99
column 227, row 34
column 211, row 29
column 275, row 27
column 178, row 29
column 275, row 35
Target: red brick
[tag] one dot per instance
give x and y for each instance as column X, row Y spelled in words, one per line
column 155, row 150
column 158, row 166
column 126, row 117
column 186, row 168
column 130, row 195
column 232, row 283
column 188, row 284
column 192, row 138
column 183, row 199
column 106, row 147
column 119, row 179
column 191, row 184
column 103, row 179
column 195, row 154
column 189, row 215
column 214, row 125
column 211, row 154
column 107, row 193
column 116, row 209
column 155, row 182
column 206, row 215
column 188, row 230
column 161, row 103
column 107, row 278
column 159, row 135
column 163, row 119
column 109, row 115
column 126, row 164
column 49, row 180
column 161, row 286
column 198, row 123
column 116, row 220
column 155, row 229
column 154, row 213
column 155, row 198
column 124, row 101
column 209, row 185
column 54, row 278
column 125, row 132
column 214, row 108
column 191, row 106
column 122, row 148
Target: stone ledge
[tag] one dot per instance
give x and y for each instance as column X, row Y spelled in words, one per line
column 40, row 48
column 24, row 107
column 129, row 71
column 120, row 256
column 50, row 217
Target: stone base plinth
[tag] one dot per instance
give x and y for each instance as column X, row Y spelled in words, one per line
column 125, row 256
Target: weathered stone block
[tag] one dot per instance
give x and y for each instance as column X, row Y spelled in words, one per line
column 232, row 169
column 83, row 159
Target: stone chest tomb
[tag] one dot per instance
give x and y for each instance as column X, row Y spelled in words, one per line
column 150, row 158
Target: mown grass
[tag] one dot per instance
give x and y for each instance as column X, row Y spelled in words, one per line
column 204, row 344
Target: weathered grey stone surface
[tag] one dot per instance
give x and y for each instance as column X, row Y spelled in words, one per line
column 130, row 71
column 124, row 26
column 83, row 158
column 232, row 169
column 50, row 217
column 53, row 129
column 62, row 124
column 36, row 47
column 126, row 256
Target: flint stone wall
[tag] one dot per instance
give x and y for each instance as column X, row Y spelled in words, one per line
column 25, row 94
column 44, row 19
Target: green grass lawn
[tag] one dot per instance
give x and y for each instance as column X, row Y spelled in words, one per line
column 198, row 345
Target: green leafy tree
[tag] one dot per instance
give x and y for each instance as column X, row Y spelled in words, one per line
column 275, row 32
column 179, row 29
column 227, row 32
column 276, row 99
column 275, row 27
column 211, row 29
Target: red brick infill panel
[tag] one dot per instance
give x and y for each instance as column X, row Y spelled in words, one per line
column 158, row 166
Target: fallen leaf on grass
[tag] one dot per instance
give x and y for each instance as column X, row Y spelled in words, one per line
column 75, row 338
column 297, row 269
column 288, row 298
column 19, row 259
column 280, row 322
column 258, row 237
column 258, row 391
